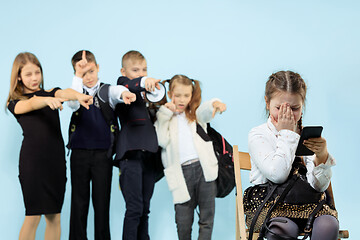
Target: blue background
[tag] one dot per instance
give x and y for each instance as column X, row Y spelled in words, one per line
column 231, row 46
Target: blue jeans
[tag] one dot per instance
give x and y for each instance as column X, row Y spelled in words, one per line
column 203, row 195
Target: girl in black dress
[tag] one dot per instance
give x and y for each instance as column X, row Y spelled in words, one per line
column 42, row 166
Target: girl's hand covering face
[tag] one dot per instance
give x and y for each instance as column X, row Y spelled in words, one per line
column 286, row 119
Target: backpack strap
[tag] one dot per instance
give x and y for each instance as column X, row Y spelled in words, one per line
column 281, row 197
column 258, row 211
column 74, row 121
column 310, row 221
column 108, row 112
column 202, row 133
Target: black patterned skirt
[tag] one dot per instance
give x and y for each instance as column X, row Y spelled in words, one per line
column 255, row 195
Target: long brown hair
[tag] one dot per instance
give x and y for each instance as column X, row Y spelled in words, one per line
column 195, row 101
column 286, row 81
column 17, row 87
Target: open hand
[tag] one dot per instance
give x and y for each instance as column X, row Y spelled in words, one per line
column 218, row 107
column 151, row 83
column 286, row 118
column 128, row 97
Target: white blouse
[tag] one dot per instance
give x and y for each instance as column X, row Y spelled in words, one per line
column 272, row 153
column 186, row 142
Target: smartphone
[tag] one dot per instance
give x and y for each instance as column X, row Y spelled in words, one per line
column 306, row 133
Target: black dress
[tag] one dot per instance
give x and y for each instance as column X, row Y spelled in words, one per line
column 42, row 166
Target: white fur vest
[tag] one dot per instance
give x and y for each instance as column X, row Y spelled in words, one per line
column 167, row 133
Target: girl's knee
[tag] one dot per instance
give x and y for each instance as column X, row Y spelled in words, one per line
column 326, row 224
column 53, row 219
column 283, row 226
column 33, row 220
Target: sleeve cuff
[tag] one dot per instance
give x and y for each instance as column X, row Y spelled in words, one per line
column 330, row 162
column 167, row 112
column 115, row 93
column 77, row 84
column 289, row 134
column 142, row 82
column 74, row 105
column 212, row 101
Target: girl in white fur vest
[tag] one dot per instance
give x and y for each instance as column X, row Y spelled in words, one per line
column 190, row 163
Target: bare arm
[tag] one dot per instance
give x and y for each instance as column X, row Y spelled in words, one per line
column 35, row 103
column 71, row 94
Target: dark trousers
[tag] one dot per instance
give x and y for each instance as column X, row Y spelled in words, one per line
column 90, row 166
column 137, row 180
column 203, row 195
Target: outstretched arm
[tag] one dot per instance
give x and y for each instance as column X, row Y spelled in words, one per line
column 139, row 84
column 71, row 94
column 207, row 110
column 77, row 85
column 36, row 103
column 120, row 94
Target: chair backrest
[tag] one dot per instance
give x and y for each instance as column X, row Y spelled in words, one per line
column 242, row 162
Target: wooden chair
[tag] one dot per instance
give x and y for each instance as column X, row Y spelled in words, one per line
column 242, row 162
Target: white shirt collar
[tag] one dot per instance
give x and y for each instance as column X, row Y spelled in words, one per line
column 92, row 90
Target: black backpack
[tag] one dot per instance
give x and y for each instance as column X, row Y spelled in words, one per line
column 224, row 153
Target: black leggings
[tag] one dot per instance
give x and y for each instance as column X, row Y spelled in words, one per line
column 325, row 227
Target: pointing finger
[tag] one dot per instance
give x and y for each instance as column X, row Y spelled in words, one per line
column 214, row 112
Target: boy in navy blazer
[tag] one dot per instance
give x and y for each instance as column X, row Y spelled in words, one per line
column 136, row 145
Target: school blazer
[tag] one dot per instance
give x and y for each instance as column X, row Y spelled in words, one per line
column 137, row 130
column 168, row 135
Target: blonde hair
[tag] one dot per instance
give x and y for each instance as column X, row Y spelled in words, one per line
column 16, row 91
column 132, row 56
column 195, row 101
